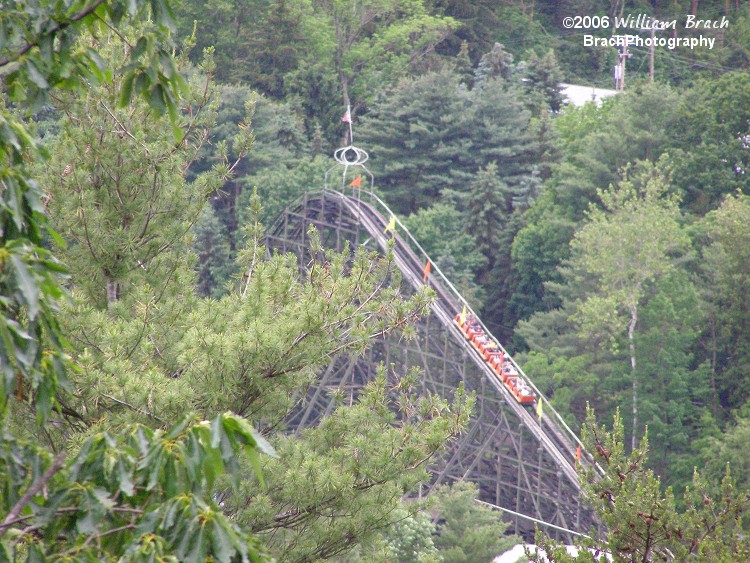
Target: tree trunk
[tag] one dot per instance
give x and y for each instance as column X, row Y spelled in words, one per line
column 714, row 400
column 631, row 334
column 113, row 292
column 694, row 8
column 345, row 89
column 340, row 47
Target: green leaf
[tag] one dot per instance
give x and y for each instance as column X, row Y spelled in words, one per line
column 223, row 548
column 8, row 136
column 103, row 498
column 251, row 436
column 156, row 99
column 142, row 82
column 97, row 66
column 35, row 76
column 125, row 479
column 140, row 48
column 252, row 455
column 155, row 469
column 168, row 67
column 127, row 89
column 87, row 523
column 27, row 285
column 58, row 240
column 36, row 554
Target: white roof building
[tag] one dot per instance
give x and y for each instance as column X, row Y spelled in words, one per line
column 579, row 95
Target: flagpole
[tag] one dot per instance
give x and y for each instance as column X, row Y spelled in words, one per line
column 351, row 131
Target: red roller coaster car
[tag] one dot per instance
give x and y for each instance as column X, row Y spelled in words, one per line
column 496, row 359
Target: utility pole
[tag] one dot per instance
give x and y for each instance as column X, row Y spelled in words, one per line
column 620, row 68
column 655, row 26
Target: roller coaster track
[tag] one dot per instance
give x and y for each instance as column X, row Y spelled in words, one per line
column 521, row 463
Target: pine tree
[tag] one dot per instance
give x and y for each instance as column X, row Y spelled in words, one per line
column 143, row 493
column 496, row 63
column 411, row 539
column 418, row 137
column 160, row 351
column 488, row 209
column 463, row 66
column 215, row 264
column 429, row 136
column 118, row 192
column 499, row 131
column 466, row 530
column 542, row 84
column 640, row 521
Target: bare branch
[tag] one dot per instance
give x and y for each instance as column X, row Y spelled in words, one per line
column 35, row 487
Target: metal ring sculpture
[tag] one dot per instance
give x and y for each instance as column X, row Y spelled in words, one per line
column 347, row 157
column 341, row 156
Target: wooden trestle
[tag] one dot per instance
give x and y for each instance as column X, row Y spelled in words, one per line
column 518, row 463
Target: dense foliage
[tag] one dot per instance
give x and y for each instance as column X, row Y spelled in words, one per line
column 641, row 521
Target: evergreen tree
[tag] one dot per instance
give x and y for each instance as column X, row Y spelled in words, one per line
column 161, row 351
column 463, row 66
column 542, row 83
column 545, row 157
column 466, row 530
column 211, row 245
column 726, row 274
column 499, row 131
column 410, row 539
column 257, row 44
column 117, row 187
column 33, row 69
column 142, row 494
column 277, row 137
column 488, row 209
column 496, row 63
column 418, row 137
column 341, row 483
column 641, row 521
column 429, row 137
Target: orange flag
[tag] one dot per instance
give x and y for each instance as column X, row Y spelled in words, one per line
column 357, row 182
column 578, row 453
column 427, row 269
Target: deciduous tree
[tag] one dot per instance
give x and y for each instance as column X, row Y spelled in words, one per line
column 627, row 247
